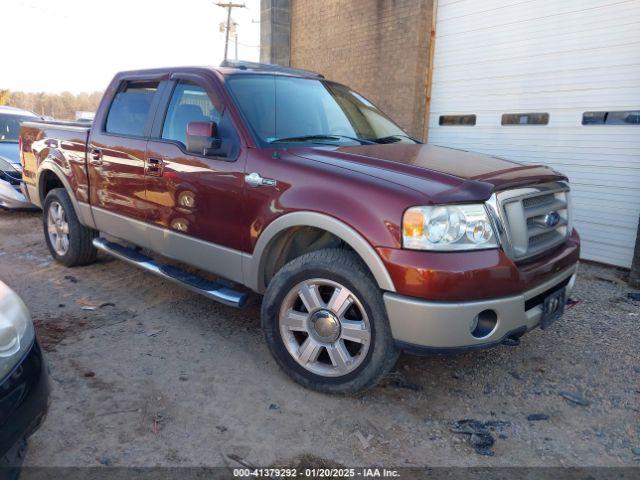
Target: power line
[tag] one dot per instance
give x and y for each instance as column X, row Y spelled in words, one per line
column 248, row 46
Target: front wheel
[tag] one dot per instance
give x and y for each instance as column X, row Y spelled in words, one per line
column 326, row 324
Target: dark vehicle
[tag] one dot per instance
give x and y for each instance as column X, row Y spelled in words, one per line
column 24, row 381
column 364, row 241
column 11, row 195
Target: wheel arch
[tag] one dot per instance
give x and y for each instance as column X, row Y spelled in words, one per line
column 51, row 176
column 257, row 266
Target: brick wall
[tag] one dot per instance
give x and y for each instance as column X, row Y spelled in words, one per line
column 378, row 47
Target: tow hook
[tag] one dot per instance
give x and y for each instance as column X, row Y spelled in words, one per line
column 512, row 341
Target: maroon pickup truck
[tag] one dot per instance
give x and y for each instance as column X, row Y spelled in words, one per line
column 364, row 241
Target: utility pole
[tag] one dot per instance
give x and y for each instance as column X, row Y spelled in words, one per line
column 229, row 6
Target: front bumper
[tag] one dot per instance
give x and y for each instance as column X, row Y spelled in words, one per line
column 24, row 399
column 12, row 197
column 426, row 326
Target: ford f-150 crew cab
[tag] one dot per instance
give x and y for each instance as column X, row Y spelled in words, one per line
column 363, row 241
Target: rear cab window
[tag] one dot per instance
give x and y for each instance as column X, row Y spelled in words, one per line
column 130, row 110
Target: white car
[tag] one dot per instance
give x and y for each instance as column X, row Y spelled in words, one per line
column 10, row 169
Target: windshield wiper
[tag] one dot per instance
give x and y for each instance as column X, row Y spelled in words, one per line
column 321, row 137
column 393, row 138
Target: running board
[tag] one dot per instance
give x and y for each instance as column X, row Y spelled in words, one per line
column 215, row 290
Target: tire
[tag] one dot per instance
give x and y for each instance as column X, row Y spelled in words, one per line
column 78, row 248
column 326, row 325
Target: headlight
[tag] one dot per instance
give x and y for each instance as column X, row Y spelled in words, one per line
column 446, row 228
column 16, row 330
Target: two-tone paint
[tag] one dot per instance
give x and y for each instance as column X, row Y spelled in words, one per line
column 202, row 211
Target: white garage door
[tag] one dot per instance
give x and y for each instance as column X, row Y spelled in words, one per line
column 560, row 58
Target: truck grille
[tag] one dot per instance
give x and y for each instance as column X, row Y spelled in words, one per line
column 533, row 219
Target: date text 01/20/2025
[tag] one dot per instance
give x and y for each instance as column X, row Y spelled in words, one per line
column 317, row 472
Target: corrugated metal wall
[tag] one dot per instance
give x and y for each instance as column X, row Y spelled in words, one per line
column 559, row 57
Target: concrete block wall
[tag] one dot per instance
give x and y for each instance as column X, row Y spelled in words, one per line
column 275, row 32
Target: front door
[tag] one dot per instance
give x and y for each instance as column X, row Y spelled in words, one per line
column 116, row 155
column 196, row 208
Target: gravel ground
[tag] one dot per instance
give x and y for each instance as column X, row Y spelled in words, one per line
column 156, row 375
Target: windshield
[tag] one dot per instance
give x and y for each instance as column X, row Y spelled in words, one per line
column 283, row 109
column 10, row 126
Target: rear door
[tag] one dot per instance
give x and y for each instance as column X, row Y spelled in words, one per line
column 195, row 200
column 116, row 157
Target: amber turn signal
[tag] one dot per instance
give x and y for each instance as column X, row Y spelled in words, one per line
column 413, row 225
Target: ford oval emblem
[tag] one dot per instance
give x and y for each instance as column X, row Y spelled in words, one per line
column 552, row 219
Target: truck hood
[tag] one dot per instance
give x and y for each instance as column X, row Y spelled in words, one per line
column 9, row 151
column 443, row 174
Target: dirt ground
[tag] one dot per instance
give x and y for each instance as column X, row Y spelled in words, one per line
column 150, row 374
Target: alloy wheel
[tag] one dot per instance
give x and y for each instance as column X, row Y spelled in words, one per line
column 58, row 228
column 325, row 327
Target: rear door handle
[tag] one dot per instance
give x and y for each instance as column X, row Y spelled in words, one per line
column 96, row 156
column 154, row 167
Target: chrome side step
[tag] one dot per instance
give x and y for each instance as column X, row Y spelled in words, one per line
column 215, row 290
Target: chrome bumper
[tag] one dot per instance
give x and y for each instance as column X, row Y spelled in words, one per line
column 447, row 325
column 12, row 197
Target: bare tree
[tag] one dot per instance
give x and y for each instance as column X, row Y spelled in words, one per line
column 62, row 106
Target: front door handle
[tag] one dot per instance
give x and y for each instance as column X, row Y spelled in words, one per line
column 255, row 180
column 154, row 167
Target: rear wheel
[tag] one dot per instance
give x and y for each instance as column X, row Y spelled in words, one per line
column 326, row 324
column 69, row 242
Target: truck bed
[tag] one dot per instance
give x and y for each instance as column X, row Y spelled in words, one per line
column 61, row 144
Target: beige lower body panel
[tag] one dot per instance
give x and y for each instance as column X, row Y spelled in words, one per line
column 31, row 192
column 206, row 256
column 222, row 261
column 447, row 325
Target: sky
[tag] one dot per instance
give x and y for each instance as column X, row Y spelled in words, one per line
column 78, row 45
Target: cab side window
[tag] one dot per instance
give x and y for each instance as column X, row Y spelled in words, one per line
column 130, row 109
column 189, row 103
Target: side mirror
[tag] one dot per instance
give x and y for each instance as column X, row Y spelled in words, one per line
column 202, row 138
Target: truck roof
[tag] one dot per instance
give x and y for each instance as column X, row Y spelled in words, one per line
column 231, row 67
column 243, row 66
